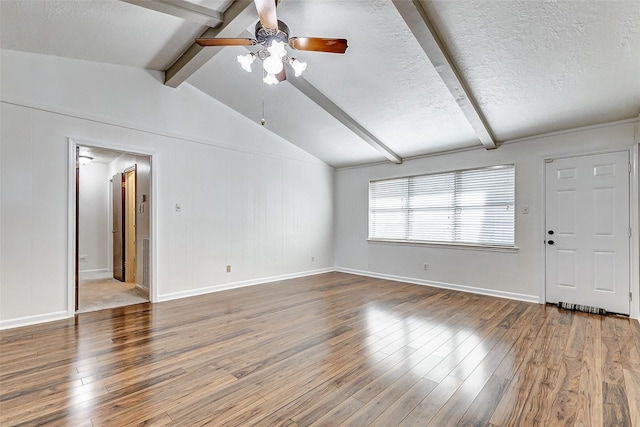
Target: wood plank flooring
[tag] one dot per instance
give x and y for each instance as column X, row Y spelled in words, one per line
column 327, row 350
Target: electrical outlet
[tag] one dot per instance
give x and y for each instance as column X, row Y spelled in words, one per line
column 425, row 267
column 228, row 269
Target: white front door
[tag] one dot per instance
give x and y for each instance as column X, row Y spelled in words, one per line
column 587, row 231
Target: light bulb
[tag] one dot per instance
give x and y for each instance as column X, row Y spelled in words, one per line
column 298, row 66
column 270, row 79
column 246, row 61
column 273, row 64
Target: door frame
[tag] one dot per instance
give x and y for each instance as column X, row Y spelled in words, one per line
column 73, row 143
column 634, row 246
column 635, row 226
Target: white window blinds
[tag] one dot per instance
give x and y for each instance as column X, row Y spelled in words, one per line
column 473, row 207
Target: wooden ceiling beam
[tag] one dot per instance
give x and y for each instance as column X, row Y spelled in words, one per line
column 423, row 30
column 237, row 18
column 330, row 107
column 182, row 9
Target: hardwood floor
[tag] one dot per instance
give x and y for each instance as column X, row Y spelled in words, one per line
column 328, row 350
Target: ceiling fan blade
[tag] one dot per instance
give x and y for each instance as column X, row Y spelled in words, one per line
column 267, row 13
column 317, row 44
column 226, row 42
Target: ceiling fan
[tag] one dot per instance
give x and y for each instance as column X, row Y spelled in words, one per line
column 273, row 35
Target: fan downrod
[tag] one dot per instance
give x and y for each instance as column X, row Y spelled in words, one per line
column 265, row 36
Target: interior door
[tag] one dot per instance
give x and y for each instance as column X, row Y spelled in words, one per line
column 130, row 224
column 587, row 231
column 117, row 183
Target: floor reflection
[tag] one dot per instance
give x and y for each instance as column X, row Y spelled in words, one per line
column 426, row 347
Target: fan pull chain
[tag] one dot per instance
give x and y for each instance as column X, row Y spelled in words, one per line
column 263, row 120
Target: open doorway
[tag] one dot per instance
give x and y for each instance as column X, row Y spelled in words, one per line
column 113, row 228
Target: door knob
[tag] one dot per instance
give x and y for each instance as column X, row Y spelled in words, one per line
column 551, row 242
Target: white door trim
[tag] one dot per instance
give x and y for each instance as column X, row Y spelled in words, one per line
column 634, row 250
column 71, row 215
column 635, row 231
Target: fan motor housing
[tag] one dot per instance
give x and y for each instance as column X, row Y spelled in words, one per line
column 265, row 36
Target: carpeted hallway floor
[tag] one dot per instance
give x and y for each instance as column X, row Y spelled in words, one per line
column 99, row 291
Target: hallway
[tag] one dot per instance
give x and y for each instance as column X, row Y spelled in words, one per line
column 99, row 290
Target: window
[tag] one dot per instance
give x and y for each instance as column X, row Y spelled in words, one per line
column 473, row 207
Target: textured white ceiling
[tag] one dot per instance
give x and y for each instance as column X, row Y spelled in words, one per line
column 541, row 66
column 534, row 66
column 99, row 155
column 108, row 31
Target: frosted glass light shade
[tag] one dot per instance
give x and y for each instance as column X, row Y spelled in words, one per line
column 277, row 49
column 270, row 79
column 246, row 61
column 272, row 65
column 298, row 66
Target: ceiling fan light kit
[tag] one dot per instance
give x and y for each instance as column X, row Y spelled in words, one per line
column 275, row 38
column 274, row 62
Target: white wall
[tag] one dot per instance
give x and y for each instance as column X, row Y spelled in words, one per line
column 250, row 199
column 93, row 222
column 517, row 274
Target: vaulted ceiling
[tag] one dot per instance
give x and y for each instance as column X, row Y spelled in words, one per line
column 419, row 77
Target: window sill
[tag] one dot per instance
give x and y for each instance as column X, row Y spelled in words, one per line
column 463, row 246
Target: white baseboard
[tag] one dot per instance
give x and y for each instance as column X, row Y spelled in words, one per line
column 61, row 315
column 242, row 284
column 97, row 270
column 100, row 273
column 32, row 320
column 452, row 286
column 144, row 288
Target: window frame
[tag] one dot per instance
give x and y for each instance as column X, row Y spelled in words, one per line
column 511, row 247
